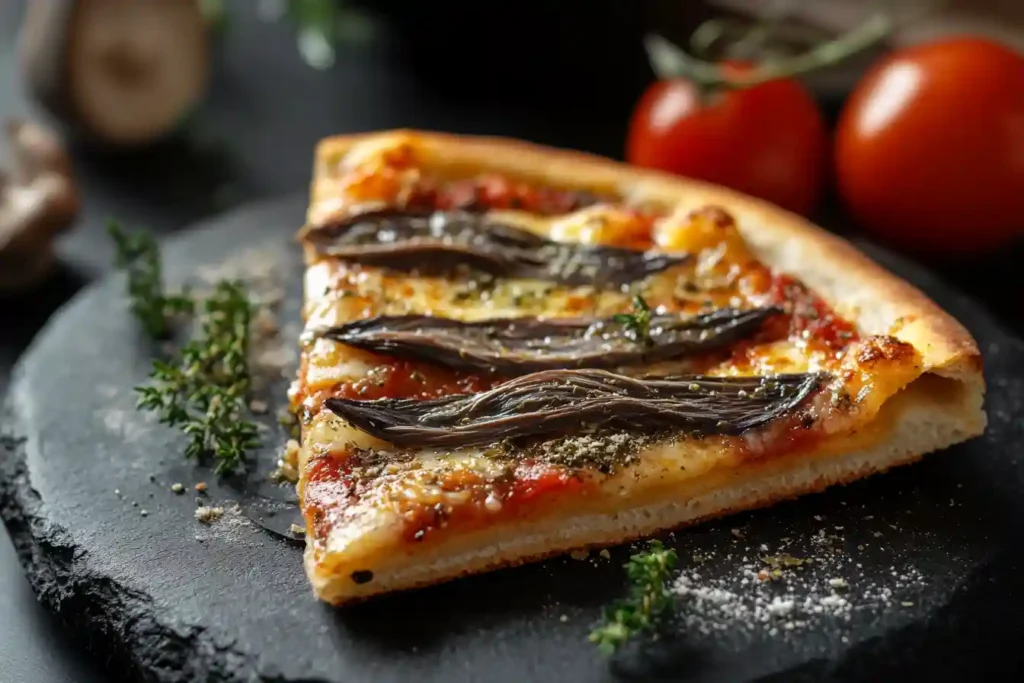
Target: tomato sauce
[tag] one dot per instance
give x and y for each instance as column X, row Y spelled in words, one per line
column 810, row 316
column 495, row 192
column 408, row 379
column 528, row 487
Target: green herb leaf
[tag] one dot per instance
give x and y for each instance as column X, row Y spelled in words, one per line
column 139, row 255
column 216, row 14
column 647, row 602
column 205, row 392
column 637, row 324
column 782, row 561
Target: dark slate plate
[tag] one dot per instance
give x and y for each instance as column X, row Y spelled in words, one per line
column 931, row 554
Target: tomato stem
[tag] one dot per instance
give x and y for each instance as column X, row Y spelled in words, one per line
column 670, row 61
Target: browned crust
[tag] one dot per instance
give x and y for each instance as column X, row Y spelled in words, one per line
column 857, row 287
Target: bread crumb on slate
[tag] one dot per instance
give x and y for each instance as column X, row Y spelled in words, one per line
column 580, row 554
column 288, row 463
column 178, row 487
column 208, row 515
column 143, row 512
column 297, row 530
column 200, row 487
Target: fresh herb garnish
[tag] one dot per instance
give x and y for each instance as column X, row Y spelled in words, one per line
column 205, row 392
column 782, row 561
column 637, row 324
column 776, row 563
column 139, row 254
column 648, row 600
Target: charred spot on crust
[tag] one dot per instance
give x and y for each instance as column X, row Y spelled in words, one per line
column 361, row 576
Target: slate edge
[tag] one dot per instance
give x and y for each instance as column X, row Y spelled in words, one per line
column 120, row 627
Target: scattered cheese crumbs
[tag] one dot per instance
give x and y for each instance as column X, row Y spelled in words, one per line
column 734, row 590
column 780, row 607
column 605, row 554
column 297, row 530
column 580, row 554
column 200, row 487
column 143, row 512
column 907, row 603
column 117, row 492
column 288, row 463
column 736, row 532
column 208, row 515
column 178, row 488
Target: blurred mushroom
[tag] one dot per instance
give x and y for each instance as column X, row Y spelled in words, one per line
column 120, row 71
column 38, row 201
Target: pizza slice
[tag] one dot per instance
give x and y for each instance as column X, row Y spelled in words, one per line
column 512, row 351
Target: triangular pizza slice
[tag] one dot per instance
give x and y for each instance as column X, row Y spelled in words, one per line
column 512, row 351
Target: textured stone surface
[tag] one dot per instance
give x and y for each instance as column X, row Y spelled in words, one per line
column 931, row 552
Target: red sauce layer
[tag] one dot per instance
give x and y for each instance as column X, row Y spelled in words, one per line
column 467, row 500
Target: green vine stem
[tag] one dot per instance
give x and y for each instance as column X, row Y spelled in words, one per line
column 669, row 61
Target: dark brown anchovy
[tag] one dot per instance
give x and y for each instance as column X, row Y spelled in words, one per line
column 571, row 402
column 443, row 241
column 512, row 346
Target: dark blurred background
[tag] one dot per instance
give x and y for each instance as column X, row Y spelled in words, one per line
column 562, row 73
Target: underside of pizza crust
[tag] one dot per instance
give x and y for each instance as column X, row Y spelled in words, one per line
column 937, row 405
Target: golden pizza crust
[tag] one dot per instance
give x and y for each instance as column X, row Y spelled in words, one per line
column 935, row 406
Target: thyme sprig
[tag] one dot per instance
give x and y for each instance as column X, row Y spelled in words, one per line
column 205, row 392
column 138, row 254
column 647, row 602
column 637, row 325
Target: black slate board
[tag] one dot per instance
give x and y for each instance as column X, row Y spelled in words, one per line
column 932, row 553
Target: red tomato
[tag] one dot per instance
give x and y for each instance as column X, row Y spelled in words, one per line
column 930, row 147
column 768, row 141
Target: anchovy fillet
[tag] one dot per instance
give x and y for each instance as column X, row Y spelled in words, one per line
column 523, row 345
column 443, row 241
column 571, row 402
